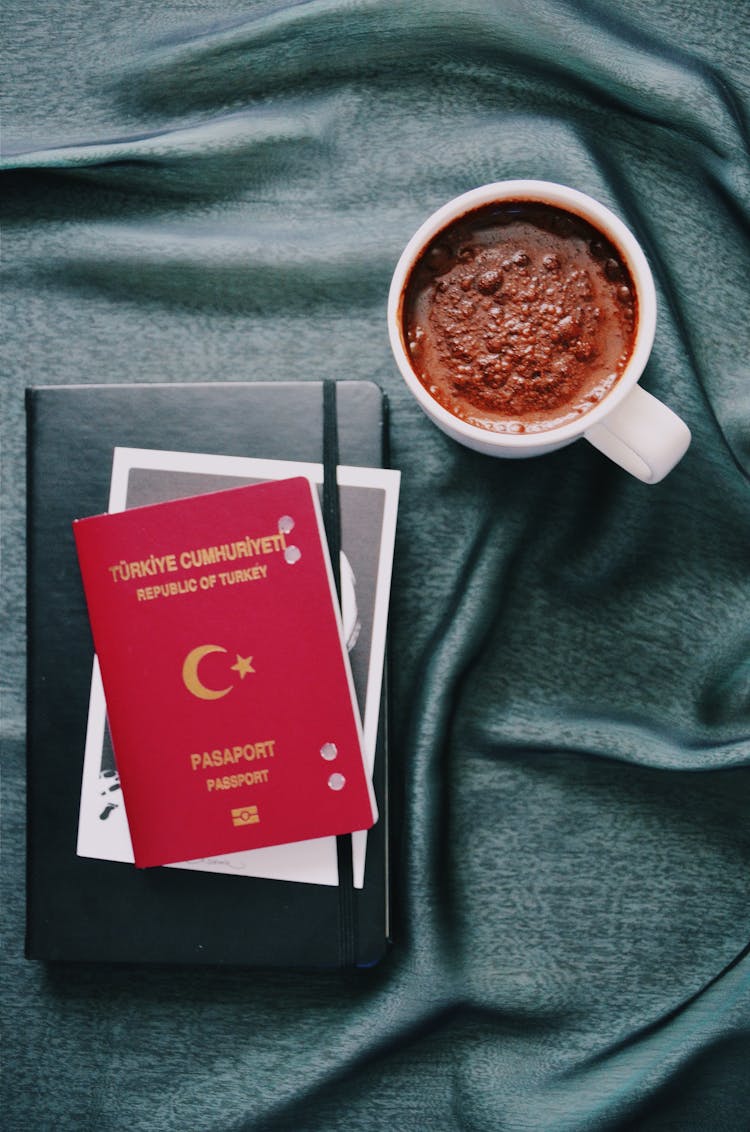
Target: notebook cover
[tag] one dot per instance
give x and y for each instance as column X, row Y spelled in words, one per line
column 90, row 910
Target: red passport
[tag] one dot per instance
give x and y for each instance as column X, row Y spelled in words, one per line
column 229, row 695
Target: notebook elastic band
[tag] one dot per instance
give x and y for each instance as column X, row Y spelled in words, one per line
column 332, row 522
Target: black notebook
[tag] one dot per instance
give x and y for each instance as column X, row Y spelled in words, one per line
column 84, row 908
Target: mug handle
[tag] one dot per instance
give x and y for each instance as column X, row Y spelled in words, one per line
column 642, row 435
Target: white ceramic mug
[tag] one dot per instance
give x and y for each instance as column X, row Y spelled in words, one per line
column 629, row 425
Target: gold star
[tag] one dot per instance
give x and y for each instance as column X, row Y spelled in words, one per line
column 243, row 666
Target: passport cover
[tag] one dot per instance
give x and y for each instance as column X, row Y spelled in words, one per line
column 229, row 695
column 87, row 910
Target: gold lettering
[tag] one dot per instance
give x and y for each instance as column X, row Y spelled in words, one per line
column 222, row 756
column 234, row 781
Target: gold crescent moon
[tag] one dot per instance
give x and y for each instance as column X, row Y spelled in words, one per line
column 190, row 673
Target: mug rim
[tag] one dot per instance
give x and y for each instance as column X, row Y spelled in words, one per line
column 582, row 205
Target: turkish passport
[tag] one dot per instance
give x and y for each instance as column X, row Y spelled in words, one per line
column 229, row 695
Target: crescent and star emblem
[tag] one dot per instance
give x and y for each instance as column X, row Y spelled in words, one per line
column 192, row 681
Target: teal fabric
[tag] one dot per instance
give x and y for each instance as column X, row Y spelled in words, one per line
column 221, row 191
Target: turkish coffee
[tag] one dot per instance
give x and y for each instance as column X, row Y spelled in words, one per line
column 519, row 316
